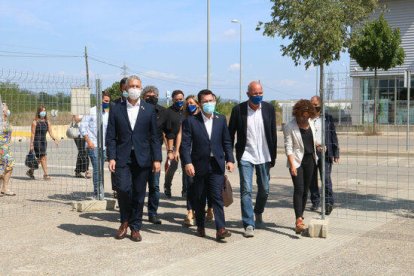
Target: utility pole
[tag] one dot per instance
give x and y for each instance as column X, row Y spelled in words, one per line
column 124, row 70
column 208, row 44
column 87, row 67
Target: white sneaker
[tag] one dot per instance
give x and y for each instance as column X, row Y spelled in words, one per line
column 249, row 232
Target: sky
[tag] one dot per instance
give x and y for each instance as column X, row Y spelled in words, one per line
column 164, row 42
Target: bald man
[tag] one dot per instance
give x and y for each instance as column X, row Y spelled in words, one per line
column 255, row 123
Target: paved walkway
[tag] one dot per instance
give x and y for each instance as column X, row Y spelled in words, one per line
column 52, row 240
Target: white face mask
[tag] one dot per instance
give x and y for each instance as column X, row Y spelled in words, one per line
column 134, row 93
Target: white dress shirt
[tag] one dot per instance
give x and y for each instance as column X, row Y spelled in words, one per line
column 208, row 123
column 256, row 150
column 133, row 111
column 318, row 130
column 89, row 126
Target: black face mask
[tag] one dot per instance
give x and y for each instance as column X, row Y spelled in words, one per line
column 318, row 108
column 152, row 100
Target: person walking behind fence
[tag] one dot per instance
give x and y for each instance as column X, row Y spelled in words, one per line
column 255, row 123
column 40, row 127
column 331, row 155
column 175, row 116
column 300, row 147
column 82, row 160
column 150, row 95
column 133, row 149
column 205, row 151
column 89, row 131
column 6, row 157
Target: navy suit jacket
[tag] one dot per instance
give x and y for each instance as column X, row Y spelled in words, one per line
column 196, row 147
column 120, row 138
column 331, row 139
column 238, row 123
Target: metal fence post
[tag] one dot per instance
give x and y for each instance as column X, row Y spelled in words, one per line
column 100, row 139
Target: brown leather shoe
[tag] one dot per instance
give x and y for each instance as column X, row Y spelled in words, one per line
column 201, row 232
column 222, row 233
column 122, row 231
column 136, row 236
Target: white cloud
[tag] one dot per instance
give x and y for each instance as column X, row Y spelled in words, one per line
column 159, row 75
column 288, row 83
column 229, row 33
column 234, row 67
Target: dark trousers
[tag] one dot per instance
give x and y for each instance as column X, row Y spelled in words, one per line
column 306, row 174
column 82, row 161
column 153, row 193
column 169, row 175
column 314, row 188
column 209, row 185
column 131, row 184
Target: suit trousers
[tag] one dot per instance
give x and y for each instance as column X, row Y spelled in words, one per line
column 209, row 185
column 314, row 188
column 131, row 182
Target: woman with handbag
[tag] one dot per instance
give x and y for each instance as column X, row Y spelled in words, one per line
column 40, row 127
column 6, row 157
column 82, row 160
column 300, row 147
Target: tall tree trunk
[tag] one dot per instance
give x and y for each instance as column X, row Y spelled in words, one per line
column 375, row 119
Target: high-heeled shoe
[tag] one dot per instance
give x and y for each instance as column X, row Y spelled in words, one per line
column 300, row 226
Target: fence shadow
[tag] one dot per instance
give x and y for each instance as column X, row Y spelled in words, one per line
column 89, row 230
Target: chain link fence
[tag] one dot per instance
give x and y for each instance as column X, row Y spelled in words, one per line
column 374, row 177
column 24, row 93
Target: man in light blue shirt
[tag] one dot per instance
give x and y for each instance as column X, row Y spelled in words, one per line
column 89, row 130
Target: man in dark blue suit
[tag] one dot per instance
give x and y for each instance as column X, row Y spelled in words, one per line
column 206, row 150
column 331, row 155
column 133, row 149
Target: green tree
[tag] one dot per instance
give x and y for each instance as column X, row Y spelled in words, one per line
column 316, row 31
column 377, row 46
column 114, row 91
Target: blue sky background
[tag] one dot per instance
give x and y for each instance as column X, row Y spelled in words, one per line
column 164, row 42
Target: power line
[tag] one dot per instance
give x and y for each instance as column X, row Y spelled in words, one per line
column 28, row 54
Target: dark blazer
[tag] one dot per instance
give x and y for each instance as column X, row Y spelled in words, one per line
column 331, row 139
column 196, row 146
column 144, row 138
column 238, row 123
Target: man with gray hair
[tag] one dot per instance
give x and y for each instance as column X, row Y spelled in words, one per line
column 150, row 95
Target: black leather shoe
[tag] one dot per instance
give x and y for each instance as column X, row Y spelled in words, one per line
column 329, row 208
column 167, row 192
column 201, row 232
column 314, row 207
column 154, row 219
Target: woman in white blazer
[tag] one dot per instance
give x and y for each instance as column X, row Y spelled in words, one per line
column 300, row 150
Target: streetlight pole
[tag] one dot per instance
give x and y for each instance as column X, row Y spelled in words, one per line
column 208, row 44
column 240, row 77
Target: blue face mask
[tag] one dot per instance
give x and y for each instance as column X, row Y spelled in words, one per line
column 256, row 99
column 191, row 108
column 209, row 107
column 125, row 94
column 179, row 104
column 105, row 105
column 42, row 114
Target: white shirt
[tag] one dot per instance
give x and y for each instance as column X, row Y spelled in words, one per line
column 318, row 130
column 256, row 150
column 89, row 126
column 208, row 123
column 133, row 111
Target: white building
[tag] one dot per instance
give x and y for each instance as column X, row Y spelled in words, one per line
column 392, row 94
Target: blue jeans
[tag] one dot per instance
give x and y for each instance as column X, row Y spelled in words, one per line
column 246, row 185
column 153, row 193
column 97, row 179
